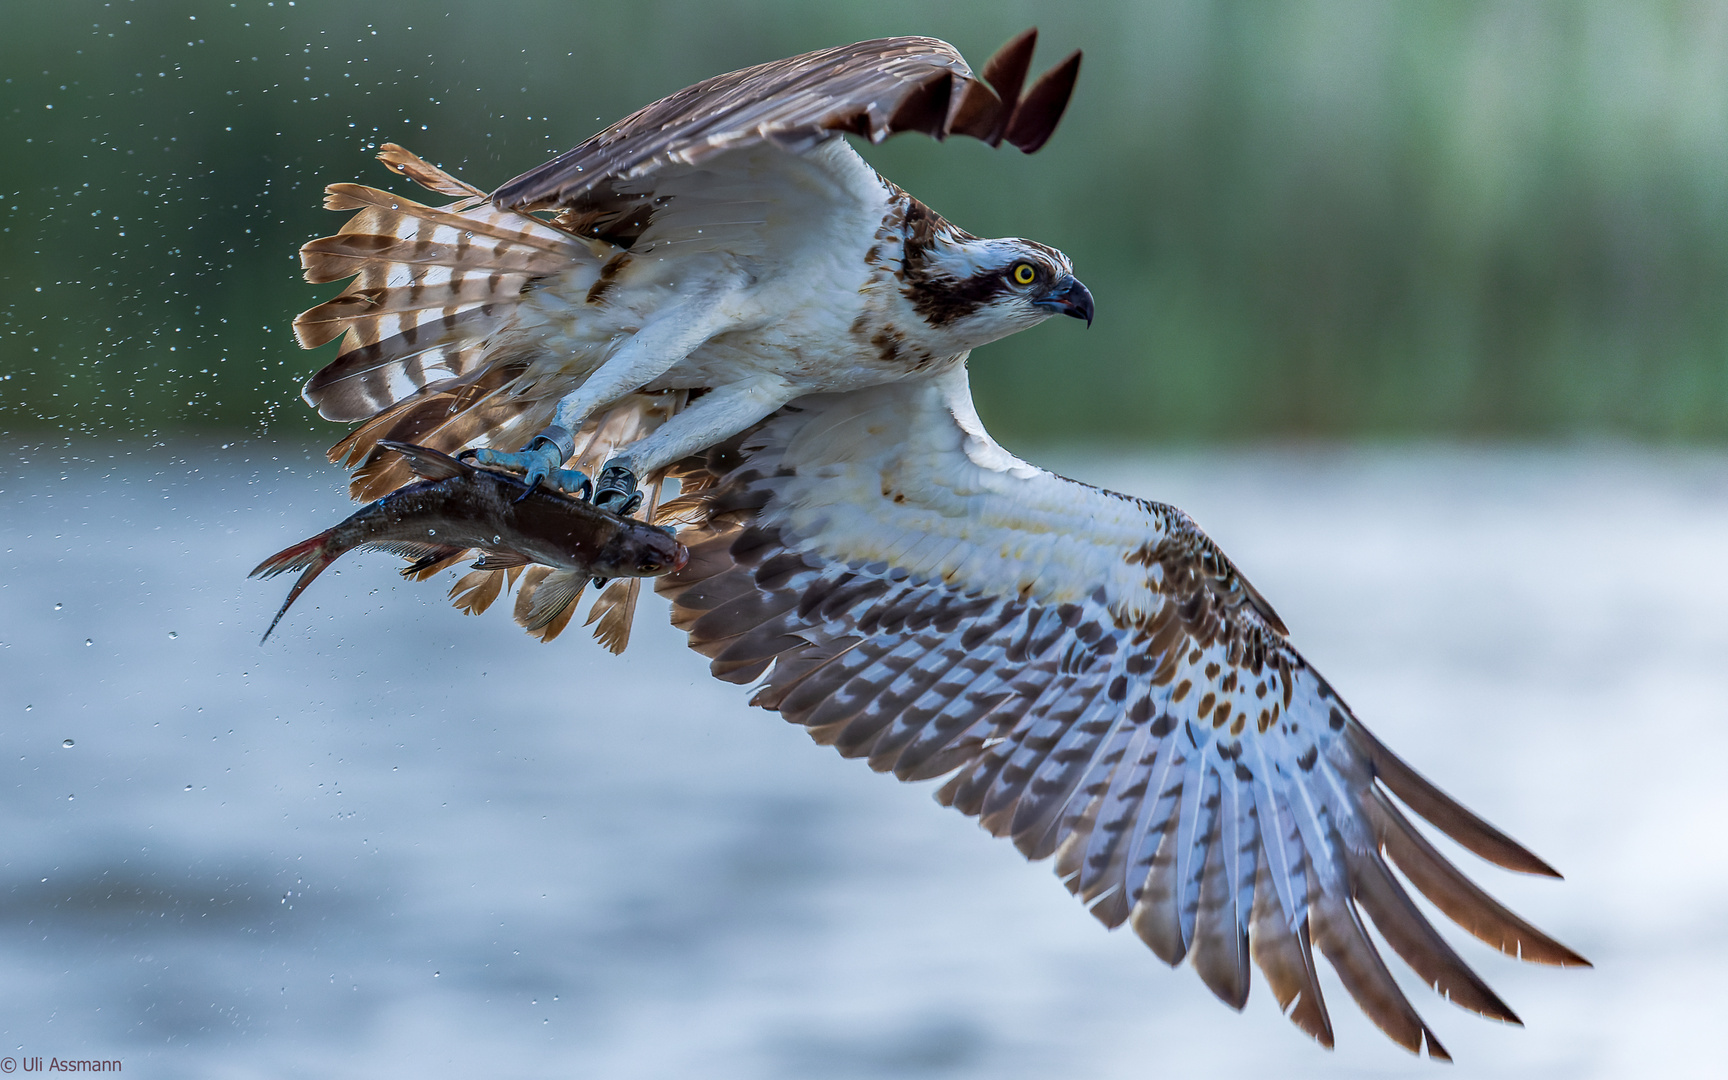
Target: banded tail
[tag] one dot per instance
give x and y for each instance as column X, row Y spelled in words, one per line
column 439, row 351
column 428, row 353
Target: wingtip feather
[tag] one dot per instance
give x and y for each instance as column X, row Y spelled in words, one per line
column 1444, row 812
column 1037, row 114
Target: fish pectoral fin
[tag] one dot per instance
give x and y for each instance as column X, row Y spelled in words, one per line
column 427, row 463
column 546, row 601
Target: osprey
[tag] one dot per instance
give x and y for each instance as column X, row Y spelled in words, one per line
column 726, row 297
column 725, row 240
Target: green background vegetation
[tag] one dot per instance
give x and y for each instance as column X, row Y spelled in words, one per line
column 1299, row 219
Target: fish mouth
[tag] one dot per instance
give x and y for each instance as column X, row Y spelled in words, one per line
column 682, row 557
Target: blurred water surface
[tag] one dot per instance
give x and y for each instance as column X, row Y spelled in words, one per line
column 397, row 841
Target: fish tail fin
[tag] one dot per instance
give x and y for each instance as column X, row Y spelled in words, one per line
column 311, row 556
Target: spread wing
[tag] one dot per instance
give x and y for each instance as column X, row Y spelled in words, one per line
column 1097, row 682
column 872, row 89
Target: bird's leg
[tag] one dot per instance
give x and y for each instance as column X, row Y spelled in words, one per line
column 541, row 461
column 653, row 351
column 718, row 415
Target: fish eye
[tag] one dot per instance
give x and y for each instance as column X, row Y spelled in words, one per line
column 1024, row 274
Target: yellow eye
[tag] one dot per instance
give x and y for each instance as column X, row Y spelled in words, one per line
column 1024, row 274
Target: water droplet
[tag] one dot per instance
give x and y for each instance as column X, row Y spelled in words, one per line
column 88, row 643
column 57, row 607
column 67, row 742
column 435, row 974
column 27, row 708
column 188, row 787
column 172, row 635
column 68, row 798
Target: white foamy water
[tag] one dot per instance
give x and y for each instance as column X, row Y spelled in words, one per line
column 400, row 842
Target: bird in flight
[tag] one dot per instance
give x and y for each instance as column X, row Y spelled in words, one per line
column 718, row 291
column 726, row 239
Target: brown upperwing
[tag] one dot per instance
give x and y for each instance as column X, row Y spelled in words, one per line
column 872, row 89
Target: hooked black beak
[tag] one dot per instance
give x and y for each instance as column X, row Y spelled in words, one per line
column 1069, row 298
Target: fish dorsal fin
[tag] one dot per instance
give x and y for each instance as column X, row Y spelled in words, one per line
column 427, row 463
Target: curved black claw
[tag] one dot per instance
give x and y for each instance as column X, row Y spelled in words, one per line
column 617, row 492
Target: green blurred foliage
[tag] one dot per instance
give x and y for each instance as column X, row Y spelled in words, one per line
column 1332, row 217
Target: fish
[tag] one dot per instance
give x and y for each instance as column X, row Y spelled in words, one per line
column 457, row 507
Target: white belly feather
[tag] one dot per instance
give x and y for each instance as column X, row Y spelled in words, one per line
column 800, row 289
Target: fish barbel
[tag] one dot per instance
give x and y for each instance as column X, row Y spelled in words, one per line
column 457, row 507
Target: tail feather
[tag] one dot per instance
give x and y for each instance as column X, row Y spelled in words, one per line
column 443, row 420
column 418, row 419
column 367, row 379
column 389, row 258
column 424, row 173
column 311, row 555
column 371, row 315
column 547, row 599
column 432, row 288
column 615, row 609
column 382, row 214
column 474, row 593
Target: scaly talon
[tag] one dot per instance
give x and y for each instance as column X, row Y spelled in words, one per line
column 571, row 482
column 541, row 462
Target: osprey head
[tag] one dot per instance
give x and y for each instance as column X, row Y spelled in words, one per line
column 972, row 291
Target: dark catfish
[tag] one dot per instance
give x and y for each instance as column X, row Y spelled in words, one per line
column 458, row 507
